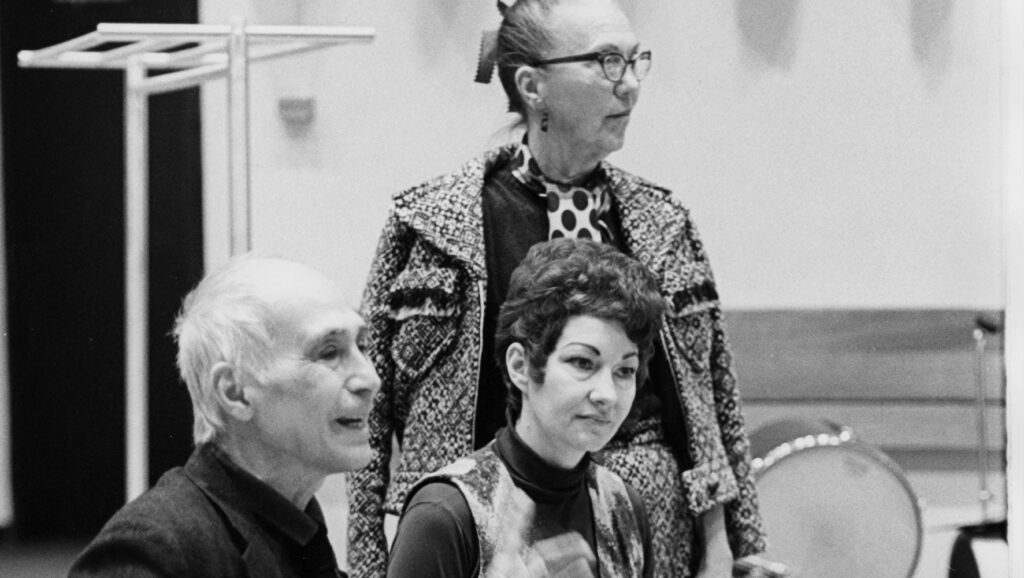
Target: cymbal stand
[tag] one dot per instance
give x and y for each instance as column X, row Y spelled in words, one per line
column 983, row 327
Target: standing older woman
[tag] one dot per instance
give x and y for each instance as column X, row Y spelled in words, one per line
column 572, row 69
column 574, row 337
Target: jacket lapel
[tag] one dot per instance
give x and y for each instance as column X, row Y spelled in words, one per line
column 447, row 211
column 649, row 227
column 260, row 561
column 209, row 477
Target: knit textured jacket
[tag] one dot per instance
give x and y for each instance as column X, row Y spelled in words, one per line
column 424, row 305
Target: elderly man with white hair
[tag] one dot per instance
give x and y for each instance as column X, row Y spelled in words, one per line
column 280, row 392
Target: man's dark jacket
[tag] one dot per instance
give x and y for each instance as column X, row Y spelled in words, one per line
column 192, row 523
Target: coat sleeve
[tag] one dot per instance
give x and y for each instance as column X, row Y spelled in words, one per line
column 367, row 553
column 133, row 546
column 742, row 518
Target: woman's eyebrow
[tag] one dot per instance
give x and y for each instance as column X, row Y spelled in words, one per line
column 585, row 345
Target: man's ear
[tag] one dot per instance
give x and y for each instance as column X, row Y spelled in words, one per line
column 518, row 367
column 530, row 84
column 232, row 391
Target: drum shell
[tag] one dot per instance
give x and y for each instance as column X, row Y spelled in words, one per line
column 833, row 505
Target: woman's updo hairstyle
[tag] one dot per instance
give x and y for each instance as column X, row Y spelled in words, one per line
column 523, row 38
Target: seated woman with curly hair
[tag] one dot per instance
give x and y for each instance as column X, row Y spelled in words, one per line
column 574, row 338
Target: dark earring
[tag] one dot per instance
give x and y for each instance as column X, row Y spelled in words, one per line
column 544, row 122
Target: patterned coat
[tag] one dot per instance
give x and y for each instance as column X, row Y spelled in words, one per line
column 424, row 304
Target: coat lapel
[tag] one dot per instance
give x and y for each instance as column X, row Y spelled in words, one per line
column 649, row 225
column 448, row 213
column 260, row 561
column 659, row 233
column 209, row 477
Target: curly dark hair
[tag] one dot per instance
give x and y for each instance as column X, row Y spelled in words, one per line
column 564, row 278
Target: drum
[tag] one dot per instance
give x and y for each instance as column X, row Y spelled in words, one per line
column 833, row 505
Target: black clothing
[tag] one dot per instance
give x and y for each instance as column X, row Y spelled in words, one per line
column 211, row 518
column 515, row 219
column 439, row 509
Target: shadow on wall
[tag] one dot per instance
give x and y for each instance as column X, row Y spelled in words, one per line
column 443, row 23
column 929, row 23
column 768, row 30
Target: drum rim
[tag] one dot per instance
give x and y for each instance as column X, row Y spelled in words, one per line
column 847, row 438
column 785, row 449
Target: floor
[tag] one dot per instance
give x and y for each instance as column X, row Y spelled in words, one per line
column 948, row 500
column 37, row 560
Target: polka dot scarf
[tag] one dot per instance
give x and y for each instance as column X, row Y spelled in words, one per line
column 573, row 210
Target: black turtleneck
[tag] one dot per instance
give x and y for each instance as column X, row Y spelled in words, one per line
column 437, row 536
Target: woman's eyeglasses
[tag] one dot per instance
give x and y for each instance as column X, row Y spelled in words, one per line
column 612, row 63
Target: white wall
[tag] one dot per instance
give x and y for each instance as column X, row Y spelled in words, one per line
column 1012, row 20
column 835, row 154
column 388, row 114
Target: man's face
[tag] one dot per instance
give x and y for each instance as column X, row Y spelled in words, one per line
column 312, row 406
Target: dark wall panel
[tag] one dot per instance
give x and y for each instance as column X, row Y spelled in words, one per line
column 64, row 197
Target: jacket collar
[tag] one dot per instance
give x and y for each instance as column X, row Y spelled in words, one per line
column 204, row 469
column 651, row 227
column 447, row 212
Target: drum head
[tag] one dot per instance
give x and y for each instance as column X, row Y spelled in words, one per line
column 839, row 510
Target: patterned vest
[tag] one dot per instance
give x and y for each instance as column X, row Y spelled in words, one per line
column 497, row 504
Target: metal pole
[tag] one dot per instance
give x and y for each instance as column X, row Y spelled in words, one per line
column 186, row 78
column 198, row 65
column 6, row 491
column 984, row 496
column 129, row 32
column 136, row 150
column 238, row 134
column 31, row 57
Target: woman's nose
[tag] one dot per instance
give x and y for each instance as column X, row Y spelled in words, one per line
column 603, row 392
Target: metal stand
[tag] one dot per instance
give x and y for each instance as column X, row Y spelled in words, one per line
column 194, row 54
column 981, row 549
column 983, row 327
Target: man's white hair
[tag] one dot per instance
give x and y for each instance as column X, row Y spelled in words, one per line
column 226, row 318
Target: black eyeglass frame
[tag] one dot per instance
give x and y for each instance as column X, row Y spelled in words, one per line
column 601, row 57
